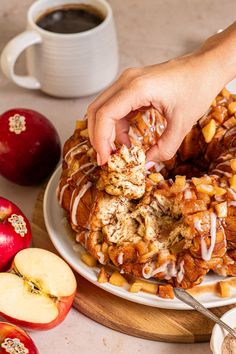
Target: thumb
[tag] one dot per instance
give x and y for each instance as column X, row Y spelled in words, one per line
column 169, row 142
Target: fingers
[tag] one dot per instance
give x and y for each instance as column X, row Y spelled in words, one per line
column 122, row 129
column 92, row 109
column 120, row 83
column 169, row 142
column 117, row 107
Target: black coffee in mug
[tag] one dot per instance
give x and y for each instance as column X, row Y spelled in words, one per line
column 70, row 18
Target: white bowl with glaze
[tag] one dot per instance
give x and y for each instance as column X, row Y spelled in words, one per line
column 218, row 334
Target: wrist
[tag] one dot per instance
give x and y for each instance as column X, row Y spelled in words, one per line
column 220, row 51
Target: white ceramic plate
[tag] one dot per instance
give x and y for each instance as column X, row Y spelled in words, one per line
column 59, row 233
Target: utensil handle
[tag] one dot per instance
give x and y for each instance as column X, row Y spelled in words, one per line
column 10, row 54
column 188, row 299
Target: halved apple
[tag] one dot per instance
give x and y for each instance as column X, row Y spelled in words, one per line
column 14, row 340
column 38, row 291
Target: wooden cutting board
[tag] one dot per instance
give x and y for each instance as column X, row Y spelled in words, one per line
column 125, row 316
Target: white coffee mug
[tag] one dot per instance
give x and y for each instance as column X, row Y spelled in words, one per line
column 64, row 65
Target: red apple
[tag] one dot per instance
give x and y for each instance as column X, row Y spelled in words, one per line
column 14, row 340
column 15, row 232
column 29, row 146
column 39, row 290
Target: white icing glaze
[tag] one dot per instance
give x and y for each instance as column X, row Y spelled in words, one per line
column 148, row 274
column 168, row 268
column 232, row 149
column 72, row 198
column 172, row 271
column 146, row 118
column 86, row 165
column 224, row 163
column 149, row 165
column 162, row 126
column 219, row 198
column 227, row 174
column 134, row 136
column 207, row 253
column 80, row 180
column 233, row 194
column 74, row 150
column 85, row 174
column 159, row 166
column 180, row 274
column 225, row 240
column 101, row 257
column 120, row 258
column 153, row 118
column 187, row 194
column 233, row 203
column 86, row 234
column 91, row 169
column 76, row 201
column 197, row 225
column 187, row 185
column 230, row 132
column 61, row 193
column 161, row 269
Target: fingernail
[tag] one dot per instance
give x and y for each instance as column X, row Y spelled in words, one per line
column 99, row 160
column 149, row 165
column 113, row 147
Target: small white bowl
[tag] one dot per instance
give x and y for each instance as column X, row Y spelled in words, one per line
column 219, row 334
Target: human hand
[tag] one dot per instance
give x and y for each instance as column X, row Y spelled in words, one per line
column 181, row 90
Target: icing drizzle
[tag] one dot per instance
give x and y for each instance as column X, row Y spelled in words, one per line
column 74, row 150
column 207, row 253
column 76, row 201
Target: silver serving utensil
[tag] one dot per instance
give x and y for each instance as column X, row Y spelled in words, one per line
column 188, row 299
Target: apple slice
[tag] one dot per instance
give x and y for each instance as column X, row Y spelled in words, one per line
column 39, row 290
column 14, row 340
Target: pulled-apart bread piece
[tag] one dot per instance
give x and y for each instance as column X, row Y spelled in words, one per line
column 124, row 173
column 173, row 220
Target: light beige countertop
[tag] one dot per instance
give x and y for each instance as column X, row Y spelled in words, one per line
column 149, row 31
